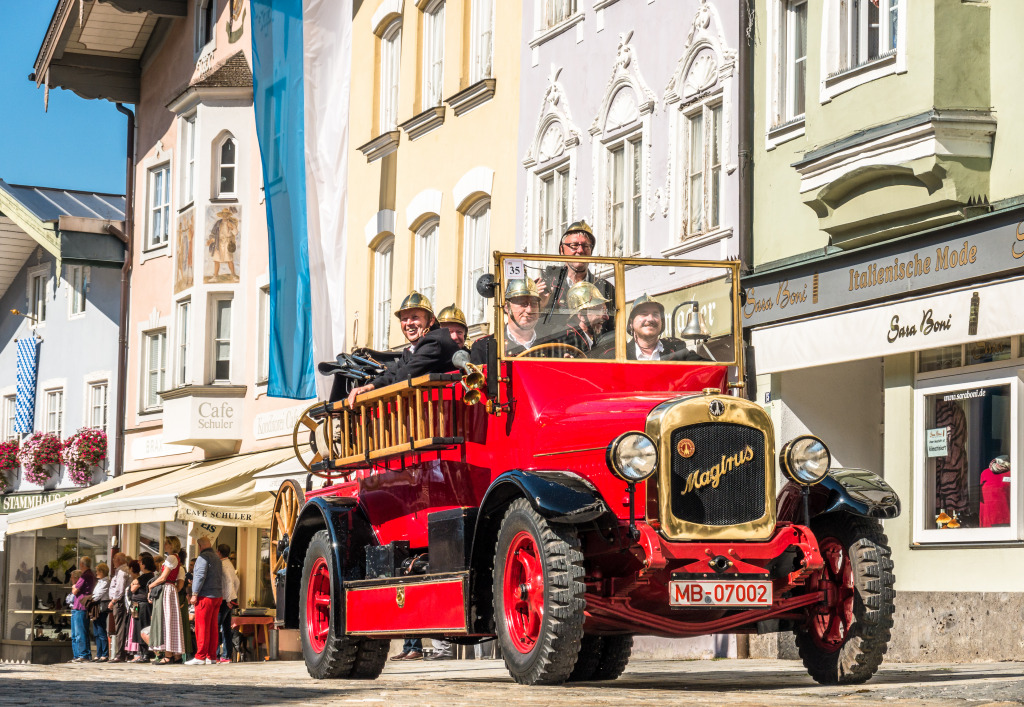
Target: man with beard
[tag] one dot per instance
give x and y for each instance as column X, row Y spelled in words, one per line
column 556, row 281
column 645, row 323
column 590, row 326
column 522, row 312
column 430, row 349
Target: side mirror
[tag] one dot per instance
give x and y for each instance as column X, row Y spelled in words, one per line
column 485, row 286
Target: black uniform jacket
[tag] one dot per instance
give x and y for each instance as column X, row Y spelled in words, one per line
column 555, row 316
column 673, row 350
column 431, row 354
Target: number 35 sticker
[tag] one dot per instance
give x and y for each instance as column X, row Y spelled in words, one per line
column 514, row 269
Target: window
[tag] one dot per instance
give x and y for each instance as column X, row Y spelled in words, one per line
column 793, row 84
column 77, row 283
column 868, row 30
column 382, row 294
column 433, row 54
column 390, row 67
column 226, row 163
column 221, row 339
column 704, row 169
column 98, row 404
column 553, row 208
column 155, row 368
column 55, row 412
column 37, row 297
column 189, row 145
column 159, row 205
column 625, row 196
column 206, row 23
column 482, row 40
column 9, row 408
column 425, row 277
column 556, row 11
column 182, row 324
column 477, row 245
column 263, row 350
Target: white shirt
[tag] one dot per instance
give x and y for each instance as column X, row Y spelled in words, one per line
column 119, row 582
column 654, row 356
column 230, row 583
column 527, row 344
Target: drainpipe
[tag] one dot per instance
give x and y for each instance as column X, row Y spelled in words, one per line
column 126, row 275
column 747, row 29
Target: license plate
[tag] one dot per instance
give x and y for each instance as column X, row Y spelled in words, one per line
column 720, row 593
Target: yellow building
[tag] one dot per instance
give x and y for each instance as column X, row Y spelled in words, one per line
column 432, row 163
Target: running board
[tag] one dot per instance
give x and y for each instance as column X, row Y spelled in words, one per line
column 419, row 604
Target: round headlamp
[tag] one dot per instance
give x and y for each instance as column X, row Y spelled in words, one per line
column 806, row 460
column 633, row 457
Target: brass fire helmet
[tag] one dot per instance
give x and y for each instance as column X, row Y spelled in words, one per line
column 415, row 301
column 584, row 294
column 639, row 302
column 521, row 287
column 451, row 315
column 583, row 227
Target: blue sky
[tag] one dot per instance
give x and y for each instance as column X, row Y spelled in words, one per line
column 78, row 144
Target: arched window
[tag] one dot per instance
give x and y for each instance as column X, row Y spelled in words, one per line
column 476, row 248
column 433, row 54
column 390, row 68
column 227, row 163
column 425, row 275
column 382, row 260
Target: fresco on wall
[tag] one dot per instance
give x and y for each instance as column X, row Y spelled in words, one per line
column 236, row 21
column 184, row 270
column 223, row 249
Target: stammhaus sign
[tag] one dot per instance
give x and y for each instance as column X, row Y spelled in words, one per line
column 209, row 417
column 980, row 249
column 23, row 501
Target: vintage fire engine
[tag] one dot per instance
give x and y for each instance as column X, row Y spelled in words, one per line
column 564, row 501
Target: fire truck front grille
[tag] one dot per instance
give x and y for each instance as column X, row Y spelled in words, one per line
column 718, row 474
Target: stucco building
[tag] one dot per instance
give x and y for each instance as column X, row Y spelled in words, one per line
column 885, row 294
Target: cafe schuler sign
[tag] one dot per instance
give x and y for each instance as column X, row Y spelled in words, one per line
column 980, row 249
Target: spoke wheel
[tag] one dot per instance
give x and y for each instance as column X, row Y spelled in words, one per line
column 844, row 638
column 316, row 432
column 290, row 498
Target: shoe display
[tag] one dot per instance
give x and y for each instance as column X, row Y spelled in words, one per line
column 413, row 655
column 400, row 656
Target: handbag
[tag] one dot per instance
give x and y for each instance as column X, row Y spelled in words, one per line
column 94, row 609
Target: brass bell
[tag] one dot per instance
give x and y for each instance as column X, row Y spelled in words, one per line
column 696, row 328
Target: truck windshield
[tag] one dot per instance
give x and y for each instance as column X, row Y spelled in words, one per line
column 628, row 310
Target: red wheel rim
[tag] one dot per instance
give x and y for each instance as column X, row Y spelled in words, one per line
column 829, row 622
column 318, row 605
column 523, row 592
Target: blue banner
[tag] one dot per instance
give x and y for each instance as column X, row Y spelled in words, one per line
column 277, row 51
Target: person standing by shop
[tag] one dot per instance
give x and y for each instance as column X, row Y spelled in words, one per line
column 118, row 586
column 141, row 608
column 166, row 633
column 99, row 612
column 79, row 617
column 230, row 601
column 207, row 591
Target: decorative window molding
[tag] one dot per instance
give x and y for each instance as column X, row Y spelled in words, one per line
column 552, row 18
column 422, row 123
column 856, row 48
column 472, row 96
column 381, row 222
column 701, row 83
column 383, row 15
column 623, row 121
column 381, row 146
column 226, row 172
column 478, row 181
column 426, row 203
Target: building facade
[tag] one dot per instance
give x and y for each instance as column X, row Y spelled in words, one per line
column 883, row 303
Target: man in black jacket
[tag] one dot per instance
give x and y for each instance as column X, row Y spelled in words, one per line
column 430, row 347
column 645, row 323
column 555, row 282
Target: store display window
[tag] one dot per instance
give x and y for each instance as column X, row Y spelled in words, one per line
column 968, row 460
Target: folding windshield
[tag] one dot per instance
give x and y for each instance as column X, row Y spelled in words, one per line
column 628, row 310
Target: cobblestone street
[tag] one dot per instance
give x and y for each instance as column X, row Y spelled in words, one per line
column 729, row 682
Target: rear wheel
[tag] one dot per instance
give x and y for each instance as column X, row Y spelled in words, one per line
column 844, row 639
column 328, row 655
column 538, row 596
column 601, row 658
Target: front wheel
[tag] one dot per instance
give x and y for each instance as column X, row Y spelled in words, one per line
column 538, row 596
column 844, row 639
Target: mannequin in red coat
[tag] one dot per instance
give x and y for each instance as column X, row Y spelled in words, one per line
column 995, row 493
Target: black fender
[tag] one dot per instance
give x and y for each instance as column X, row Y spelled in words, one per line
column 350, row 532
column 856, row 491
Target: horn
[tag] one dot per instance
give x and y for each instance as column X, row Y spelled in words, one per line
column 472, row 379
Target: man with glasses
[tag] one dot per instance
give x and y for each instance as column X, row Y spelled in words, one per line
column 555, row 282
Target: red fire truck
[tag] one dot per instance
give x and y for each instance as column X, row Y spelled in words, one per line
column 565, row 500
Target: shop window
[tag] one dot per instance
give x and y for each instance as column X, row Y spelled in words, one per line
column 264, row 596
column 9, row 406
column 433, row 54
column 968, row 450
column 150, row 539
column 975, row 353
column 97, row 393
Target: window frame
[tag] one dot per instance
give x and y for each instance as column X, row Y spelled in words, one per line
column 188, row 147
column 631, row 144
column 569, row 10
column 163, row 207
column 557, row 175
column 90, row 389
column 214, row 309
column 206, row 22
column 787, row 72
column 475, row 258
column 263, row 347
column 432, row 78
column 148, row 369
column 54, row 406
column 425, row 260
column 382, row 293
column 390, row 76
column 182, row 341
column 9, row 411
column 710, row 134
column 77, row 278
column 37, row 283
column 218, row 175
column 839, row 73
column 481, row 50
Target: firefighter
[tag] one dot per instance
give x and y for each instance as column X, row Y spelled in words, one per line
column 645, row 324
column 590, row 326
column 555, row 282
column 452, row 319
column 430, row 347
column 522, row 312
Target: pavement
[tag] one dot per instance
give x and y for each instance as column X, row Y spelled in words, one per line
column 485, row 682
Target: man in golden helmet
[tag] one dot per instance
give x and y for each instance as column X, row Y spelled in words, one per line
column 453, row 319
column 555, row 282
column 522, row 311
column 645, row 324
column 430, row 347
column 589, row 327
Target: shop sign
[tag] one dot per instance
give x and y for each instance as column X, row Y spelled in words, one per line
column 966, row 252
column 276, row 423
column 13, row 503
column 194, row 419
column 935, row 441
column 155, row 446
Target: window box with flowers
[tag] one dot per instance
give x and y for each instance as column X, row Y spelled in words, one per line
column 39, row 456
column 8, row 461
column 82, row 452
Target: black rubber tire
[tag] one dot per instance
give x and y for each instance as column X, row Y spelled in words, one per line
column 553, row 657
column 591, row 651
column 614, row 657
column 873, row 604
column 342, row 656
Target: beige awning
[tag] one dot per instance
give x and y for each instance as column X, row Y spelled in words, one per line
column 50, row 515
column 221, row 492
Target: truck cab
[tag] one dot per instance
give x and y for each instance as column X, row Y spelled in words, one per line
column 605, row 479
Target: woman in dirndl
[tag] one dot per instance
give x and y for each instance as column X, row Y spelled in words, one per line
column 168, row 636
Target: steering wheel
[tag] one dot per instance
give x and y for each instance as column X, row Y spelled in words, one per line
column 552, row 345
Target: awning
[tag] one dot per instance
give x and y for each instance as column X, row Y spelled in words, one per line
column 49, row 515
column 290, row 469
column 221, row 492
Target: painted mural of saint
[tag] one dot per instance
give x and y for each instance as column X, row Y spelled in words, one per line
column 183, row 264
column 222, row 244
